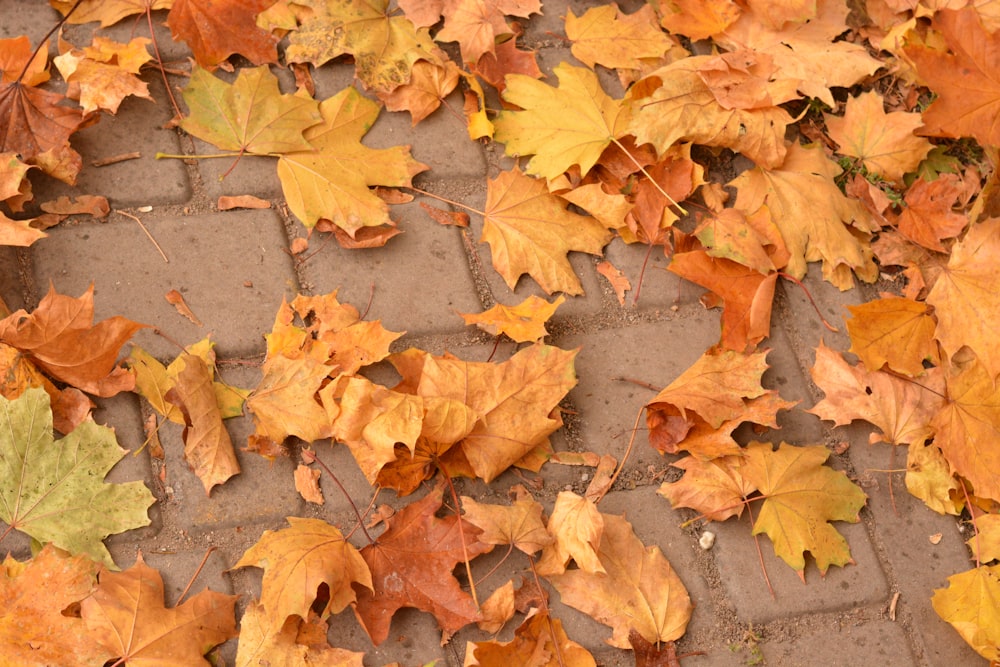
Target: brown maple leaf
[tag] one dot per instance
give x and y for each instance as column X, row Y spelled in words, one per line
column 36, row 126
column 126, row 615
column 216, row 29
column 411, row 565
column 540, row 641
column 59, row 338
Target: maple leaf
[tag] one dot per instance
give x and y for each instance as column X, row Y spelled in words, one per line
column 207, row 446
column 812, row 214
column 715, row 488
column 411, row 565
column 637, row 588
column 929, row 216
column 753, row 241
column 894, row 332
column 531, row 231
column 70, row 406
column 103, row 74
column 970, row 605
column 577, row 527
column 808, row 51
column 900, row 408
column 307, row 484
column 126, row 615
column 385, row 47
column 985, row 544
column 329, row 178
column 968, row 424
column 58, row 337
column 429, row 84
column 746, row 294
column 54, row 491
column 564, row 126
column 34, row 630
column 250, row 115
column 34, row 125
column 18, row 232
column 539, row 641
column 523, row 323
column 964, row 294
column 929, row 478
column 801, row 498
column 674, row 104
column 478, row 25
column 607, row 36
column 519, row 525
column 697, row 19
column 284, row 403
column 885, row 143
column 966, row 105
column 108, row 12
column 714, row 387
column 17, row 56
column 297, row 561
column 216, row 29
column 260, row 644
column 507, row 59
column 515, row 398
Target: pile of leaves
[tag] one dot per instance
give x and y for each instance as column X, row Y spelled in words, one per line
column 870, row 154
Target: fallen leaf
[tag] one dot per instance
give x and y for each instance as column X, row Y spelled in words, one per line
column 929, row 215
column 697, row 19
column 478, row 25
column 894, row 332
column 985, row 544
column 54, row 491
column 411, row 565
column 217, row 29
column 531, row 231
column 242, row 201
column 108, row 12
column 539, row 641
column 519, row 524
column 34, row 124
column 619, row 283
column 34, row 630
column 307, row 484
column 260, row 644
column 507, row 59
column 497, row 609
column 208, row 449
column 635, row 589
column 175, row 299
column 885, row 143
column 969, row 604
column 385, row 46
column 18, row 232
column 429, row 84
column 330, row 177
column 607, row 36
column 297, row 561
column 966, row 105
column 249, row 115
column 746, row 79
column 967, row 425
column 103, row 74
column 929, row 478
column 963, row 292
column 523, row 323
column 577, row 527
column 714, row 488
column 753, row 241
column 812, row 214
column 127, row 616
column 17, row 56
column 564, row 126
column 901, row 408
column 653, row 654
column 801, row 498
column 96, row 206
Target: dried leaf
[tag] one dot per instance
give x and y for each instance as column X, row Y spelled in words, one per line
column 970, row 605
column 539, row 641
column 307, row 484
column 216, row 29
column 523, row 323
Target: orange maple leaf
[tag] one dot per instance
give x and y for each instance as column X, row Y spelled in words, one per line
column 216, row 29
column 965, row 79
column 411, row 565
column 893, row 331
column 929, row 215
column 539, row 641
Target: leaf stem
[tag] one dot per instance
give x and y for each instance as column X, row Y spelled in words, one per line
column 443, row 199
column 357, row 513
column 652, row 180
column 809, row 296
column 628, row 451
column 161, row 156
column 760, row 554
column 146, row 232
column 194, row 576
column 461, row 535
column 159, row 61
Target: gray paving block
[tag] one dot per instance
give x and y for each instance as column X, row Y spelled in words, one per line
column 841, row 589
column 178, row 568
column 844, row 645
column 659, row 289
column 607, row 405
column 249, row 175
column 401, row 272
column 26, row 17
column 12, row 288
column 231, row 269
column 904, row 526
column 786, row 376
column 801, row 319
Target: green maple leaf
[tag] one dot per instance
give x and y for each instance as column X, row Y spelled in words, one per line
column 331, row 180
column 54, row 491
column 250, row 115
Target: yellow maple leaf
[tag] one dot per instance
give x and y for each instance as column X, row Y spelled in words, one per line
column 607, row 36
column 885, row 143
column 697, row 19
column 970, row 604
column 893, row 331
column 523, row 323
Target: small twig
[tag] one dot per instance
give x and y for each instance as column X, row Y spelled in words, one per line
column 445, row 200
column 639, row 383
column 146, row 232
column 194, row 576
column 892, row 606
column 104, row 162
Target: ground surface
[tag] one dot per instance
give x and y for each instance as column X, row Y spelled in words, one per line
column 233, row 269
